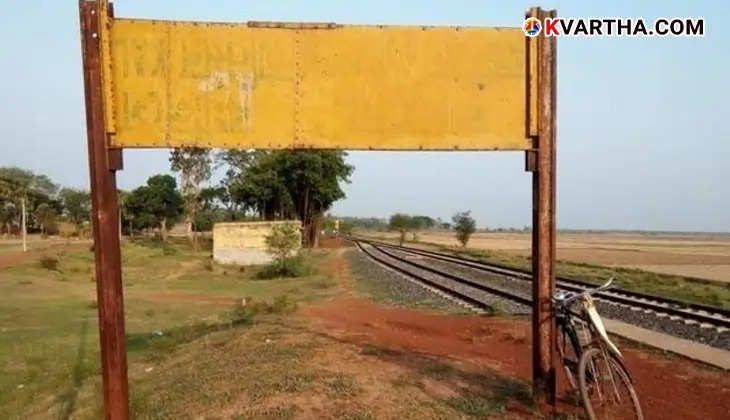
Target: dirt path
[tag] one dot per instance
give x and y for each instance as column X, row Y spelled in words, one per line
column 337, row 268
column 670, row 388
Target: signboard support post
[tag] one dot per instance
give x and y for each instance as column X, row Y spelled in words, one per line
column 495, row 94
column 103, row 162
column 543, row 215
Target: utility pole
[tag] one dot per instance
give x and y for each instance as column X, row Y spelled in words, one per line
column 541, row 161
column 104, row 161
column 23, row 229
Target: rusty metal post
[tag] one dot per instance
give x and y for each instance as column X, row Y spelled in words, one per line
column 543, row 215
column 104, row 203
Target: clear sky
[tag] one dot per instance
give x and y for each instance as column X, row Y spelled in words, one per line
column 643, row 132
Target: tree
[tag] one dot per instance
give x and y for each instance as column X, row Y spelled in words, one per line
column 8, row 214
column 77, row 205
column 289, row 184
column 156, row 204
column 229, row 194
column 21, row 190
column 313, row 182
column 464, row 225
column 195, row 167
column 346, row 227
column 262, row 189
column 402, row 223
column 415, row 225
column 29, row 180
column 425, row 222
column 46, row 217
column 361, row 222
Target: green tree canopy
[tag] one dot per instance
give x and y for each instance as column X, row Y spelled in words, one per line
column 402, row 223
column 465, row 226
column 76, row 204
column 26, row 180
column 19, row 185
column 289, row 184
column 424, row 222
column 156, row 204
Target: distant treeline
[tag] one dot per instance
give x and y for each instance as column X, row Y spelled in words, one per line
column 262, row 185
column 374, row 223
column 34, row 203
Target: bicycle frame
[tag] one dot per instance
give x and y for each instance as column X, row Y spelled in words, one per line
column 564, row 320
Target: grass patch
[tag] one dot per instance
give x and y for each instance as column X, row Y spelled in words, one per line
column 281, row 412
column 475, row 405
column 356, row 415
column 49, row 263
column 340, row 385
column 244, row 313
column 158, row 343
column 175, row 304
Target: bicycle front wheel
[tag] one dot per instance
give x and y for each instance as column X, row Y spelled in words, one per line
column 605, row 387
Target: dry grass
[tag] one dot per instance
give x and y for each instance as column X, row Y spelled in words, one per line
column 692, row 255
column 193, row 352
column 48, row 330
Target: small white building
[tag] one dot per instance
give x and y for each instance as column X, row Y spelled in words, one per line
column 243, row 243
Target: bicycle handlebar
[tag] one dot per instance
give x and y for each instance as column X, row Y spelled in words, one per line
column 575, row 295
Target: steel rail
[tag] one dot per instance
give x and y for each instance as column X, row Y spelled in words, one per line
column 462, row 296
column 471, row 283
column 671, row 307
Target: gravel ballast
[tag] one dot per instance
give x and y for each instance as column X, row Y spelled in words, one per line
column 387, row 285
column 649, row 320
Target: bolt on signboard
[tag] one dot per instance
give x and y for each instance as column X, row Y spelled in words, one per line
column 274, row 85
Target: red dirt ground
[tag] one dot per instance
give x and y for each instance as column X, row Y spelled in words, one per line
column 669, row 388
column 333, row 242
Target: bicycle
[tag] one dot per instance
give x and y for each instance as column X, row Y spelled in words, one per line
column 605, row 385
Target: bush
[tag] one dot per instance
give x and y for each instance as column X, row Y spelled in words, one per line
column 283, row 241
column 282, row 244
column 49, row 263
column 295, row 266
column 243, row 315
column 464, row 225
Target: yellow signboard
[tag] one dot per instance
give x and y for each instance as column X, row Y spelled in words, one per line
column 266, row 85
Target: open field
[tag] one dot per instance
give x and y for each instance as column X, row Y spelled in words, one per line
column 692, row 255
column 195, row 352
column 341, row 343
column 49, row 336
column 34, row 243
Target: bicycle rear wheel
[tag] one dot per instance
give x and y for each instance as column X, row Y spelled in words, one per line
column 605, row 387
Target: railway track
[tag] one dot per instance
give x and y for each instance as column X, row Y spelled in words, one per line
column 459, row 294
column 677, row 311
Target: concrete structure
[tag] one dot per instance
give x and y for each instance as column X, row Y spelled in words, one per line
column 243, row 243
column 712, row 356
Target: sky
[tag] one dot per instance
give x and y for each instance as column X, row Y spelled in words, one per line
column 643, row 134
